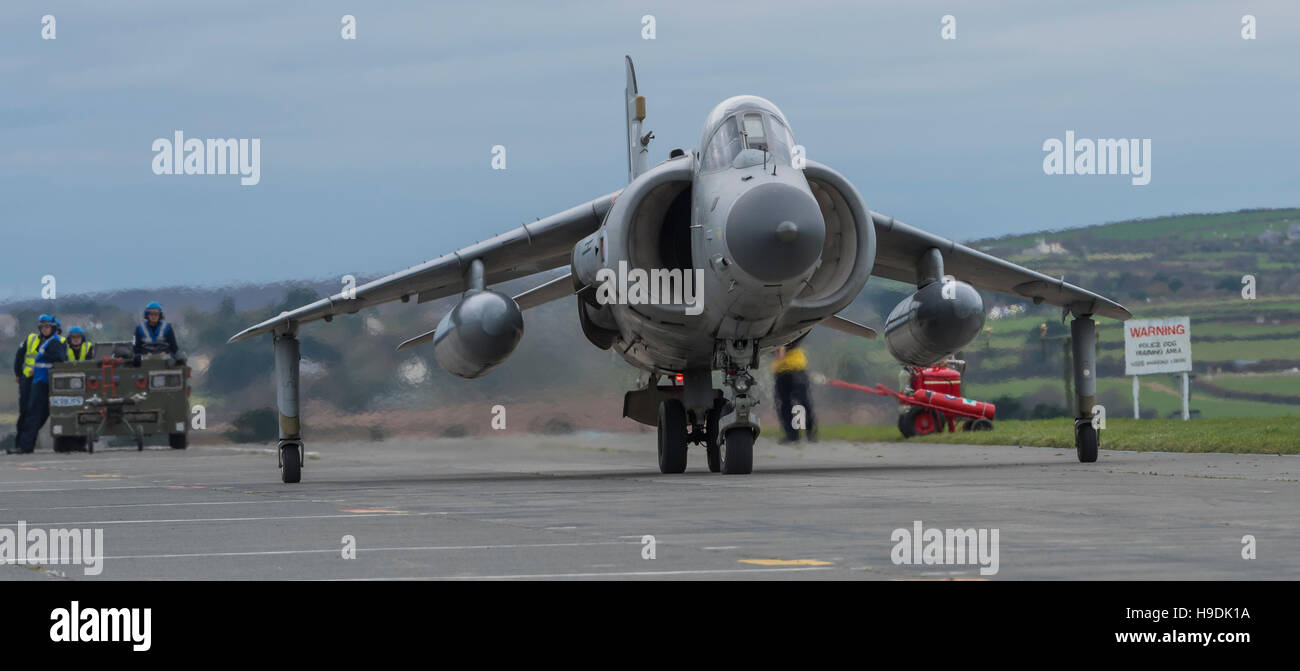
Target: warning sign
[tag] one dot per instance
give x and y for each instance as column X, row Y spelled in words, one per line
column 1157, row 346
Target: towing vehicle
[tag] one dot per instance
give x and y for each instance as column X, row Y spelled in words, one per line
column 115, row 393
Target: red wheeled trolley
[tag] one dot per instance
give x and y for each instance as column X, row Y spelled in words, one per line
column 935, row 401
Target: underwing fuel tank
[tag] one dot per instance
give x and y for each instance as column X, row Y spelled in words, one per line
column 937, row 320
column 478, row 334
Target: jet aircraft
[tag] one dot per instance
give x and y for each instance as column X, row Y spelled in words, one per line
column 771, row 244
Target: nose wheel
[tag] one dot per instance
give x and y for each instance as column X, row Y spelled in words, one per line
column 738, row 451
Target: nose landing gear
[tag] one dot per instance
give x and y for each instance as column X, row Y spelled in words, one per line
column 739, row 425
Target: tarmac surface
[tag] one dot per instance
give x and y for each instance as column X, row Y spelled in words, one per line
column 580, row 507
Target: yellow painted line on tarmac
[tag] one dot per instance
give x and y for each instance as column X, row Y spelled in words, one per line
column 372, row 511
column 100, row 475
column 787, row 562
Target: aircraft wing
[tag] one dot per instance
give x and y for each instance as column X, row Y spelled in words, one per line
column 534, row 247
column 899, row 246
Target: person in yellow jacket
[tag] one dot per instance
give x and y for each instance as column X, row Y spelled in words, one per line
column 32, row 368
column 25, row 364
column 78, row 347
column 792, row 392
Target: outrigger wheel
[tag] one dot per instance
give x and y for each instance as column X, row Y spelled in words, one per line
column 1086, row 440
column 139, row 438
column 291, row 461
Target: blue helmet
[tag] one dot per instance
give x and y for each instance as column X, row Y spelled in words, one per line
column 153, row 305
column 76, row 330
column 47, row 320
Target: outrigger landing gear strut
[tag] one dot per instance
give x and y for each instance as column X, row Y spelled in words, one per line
column 1083, row 339
column 290, row 447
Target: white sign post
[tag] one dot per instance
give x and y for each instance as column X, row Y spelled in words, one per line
column 1158, row 346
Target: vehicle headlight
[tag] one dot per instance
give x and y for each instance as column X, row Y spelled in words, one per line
column 165, row 381
column 69, row 382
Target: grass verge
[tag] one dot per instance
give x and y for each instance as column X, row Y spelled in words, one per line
column 1237, row 435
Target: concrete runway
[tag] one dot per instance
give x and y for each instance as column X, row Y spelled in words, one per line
column 548, row 507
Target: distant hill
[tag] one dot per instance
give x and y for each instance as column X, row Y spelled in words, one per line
column 1175, row 257
column 1246, row 353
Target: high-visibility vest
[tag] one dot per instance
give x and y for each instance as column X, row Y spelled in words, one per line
column 793, row 362
column 79, row 353
column 154, row 337
column 29, row 358
column 42, row 364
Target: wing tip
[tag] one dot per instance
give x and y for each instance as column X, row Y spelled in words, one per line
column 242, row 335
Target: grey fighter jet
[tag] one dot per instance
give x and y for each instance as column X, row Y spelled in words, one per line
column 703, row 263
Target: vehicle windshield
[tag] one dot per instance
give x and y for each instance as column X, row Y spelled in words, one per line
column 747, row 130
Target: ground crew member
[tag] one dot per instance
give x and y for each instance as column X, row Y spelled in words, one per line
column 792, row 390
column 23, row 361
column 78, row 346
column 49, row 351
column 154, row 336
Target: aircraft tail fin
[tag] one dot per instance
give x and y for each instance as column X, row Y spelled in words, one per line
column 638, row 146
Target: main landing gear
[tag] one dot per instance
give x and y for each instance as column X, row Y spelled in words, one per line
column 724, row 424
column 678, row 429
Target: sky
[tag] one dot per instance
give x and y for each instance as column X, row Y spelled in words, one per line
column 376, row 152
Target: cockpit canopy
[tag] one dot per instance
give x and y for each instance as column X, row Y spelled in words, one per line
column 744, row 123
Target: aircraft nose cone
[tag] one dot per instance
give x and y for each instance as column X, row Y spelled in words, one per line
column 775, row 232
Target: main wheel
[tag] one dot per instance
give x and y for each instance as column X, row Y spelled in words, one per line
column 178, row 441
column 1086, row 441
column 672, row 436
column 712, row 448
column 738, row 451
column 65, row 443
column 291, row 458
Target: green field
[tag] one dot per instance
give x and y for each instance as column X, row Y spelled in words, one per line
column 1280, row 383
column 1164, row 402
column 1279, row 435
